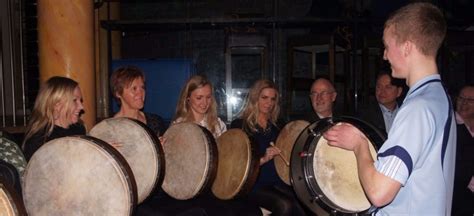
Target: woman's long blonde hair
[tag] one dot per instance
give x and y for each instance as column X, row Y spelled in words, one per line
column 250, row 112
column 183, row 109
column 55, row 90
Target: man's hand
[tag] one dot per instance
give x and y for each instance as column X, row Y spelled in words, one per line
column 346, row 136
column 471, row 184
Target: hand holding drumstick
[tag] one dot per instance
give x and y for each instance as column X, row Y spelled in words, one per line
column 270, row 153
column 280, row 154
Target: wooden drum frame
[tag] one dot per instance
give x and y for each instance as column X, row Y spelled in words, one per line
column 285, row 142
column 238, row 165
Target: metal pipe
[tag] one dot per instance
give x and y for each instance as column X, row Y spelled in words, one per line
column 4, row 123
column 292, row 22
column 274, row 44
column 23, row 99
column 354, row 69
column 10, row 27
column 109, row 56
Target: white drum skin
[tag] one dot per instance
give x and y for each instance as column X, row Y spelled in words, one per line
column 78, row 175
column 140, row 148
column 191, row 160
column 325, row 178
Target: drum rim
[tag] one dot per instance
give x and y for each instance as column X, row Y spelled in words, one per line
column 213, row 160
column 157, row 147
column 161, row 154
column 253, row 167
column 279, row 172
column 121, row 162
column 159, row 151
column 18, row 205
column 310, row 144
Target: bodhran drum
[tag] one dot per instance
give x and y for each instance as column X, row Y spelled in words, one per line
column 238, row 165
column 325, row 178
column 285, row 142
column 78, row 175
column 10, row 202
column 140, row 148
column 191, row 160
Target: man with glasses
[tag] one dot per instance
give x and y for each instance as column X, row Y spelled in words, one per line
column 463, row 196
column 322, row 95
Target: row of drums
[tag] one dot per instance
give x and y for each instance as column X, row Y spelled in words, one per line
column 121, row 163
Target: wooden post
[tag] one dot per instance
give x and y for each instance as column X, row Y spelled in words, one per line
column 66, row 46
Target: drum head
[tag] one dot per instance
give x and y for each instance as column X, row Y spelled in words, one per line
column 10, row 203
column 238, row 165
column 78, row 176
column 285, row 142
column 191, row 160
column 325, row 178
column 335, row 170
column 140, row 148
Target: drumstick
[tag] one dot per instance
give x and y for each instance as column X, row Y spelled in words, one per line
column 281, row 155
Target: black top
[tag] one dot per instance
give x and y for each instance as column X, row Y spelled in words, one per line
column 155, row 123
column 38, row 139
column 373, row 115
column 312, row 117
column 262, row 137
column 463, row 198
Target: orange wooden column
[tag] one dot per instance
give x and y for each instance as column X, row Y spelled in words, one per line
column 66, row 46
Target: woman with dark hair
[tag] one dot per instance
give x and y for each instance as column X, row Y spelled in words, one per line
column 127, row 85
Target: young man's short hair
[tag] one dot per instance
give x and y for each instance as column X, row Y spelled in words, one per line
column 422, row 23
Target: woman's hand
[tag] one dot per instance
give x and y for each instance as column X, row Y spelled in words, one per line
column 116, row 144
column 162, row 140
column 270, row 153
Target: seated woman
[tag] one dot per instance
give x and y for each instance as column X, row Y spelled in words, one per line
column 56, row 114
column 258, row 119
column 127, row 84
column 197, row 104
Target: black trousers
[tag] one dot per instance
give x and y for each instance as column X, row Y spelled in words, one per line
column 279, row 199
column 203, row 205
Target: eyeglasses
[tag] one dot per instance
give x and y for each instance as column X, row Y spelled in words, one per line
column 462, row 99
column 322, row 94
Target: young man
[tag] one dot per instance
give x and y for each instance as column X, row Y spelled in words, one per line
column 414, row 172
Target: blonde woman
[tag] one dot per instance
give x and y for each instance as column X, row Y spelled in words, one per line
column 127, row 84
column 197, row 104
column 258, row 119
column 56, row 114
